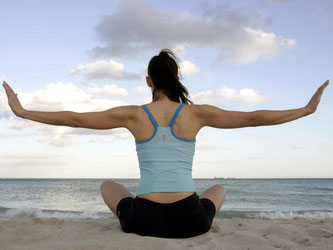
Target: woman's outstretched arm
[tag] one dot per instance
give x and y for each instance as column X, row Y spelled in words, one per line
column 273, row 117
column 212, row 116
column 108, row 119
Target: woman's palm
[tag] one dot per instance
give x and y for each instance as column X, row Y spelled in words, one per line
column 314, row 101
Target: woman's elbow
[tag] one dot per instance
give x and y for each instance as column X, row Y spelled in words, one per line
column 253, row 119
column 74, row 120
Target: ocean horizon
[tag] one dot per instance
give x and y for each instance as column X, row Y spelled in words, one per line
column 71, row 198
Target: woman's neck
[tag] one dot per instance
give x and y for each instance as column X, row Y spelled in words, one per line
column 160, row 96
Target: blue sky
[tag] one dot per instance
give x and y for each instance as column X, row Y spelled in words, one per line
column 243, row 56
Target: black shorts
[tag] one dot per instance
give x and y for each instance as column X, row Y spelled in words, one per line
column 185, row 218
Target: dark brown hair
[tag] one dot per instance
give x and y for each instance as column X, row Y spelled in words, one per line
column 163, row 70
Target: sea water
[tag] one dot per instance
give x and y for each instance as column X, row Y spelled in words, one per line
column 246, row 198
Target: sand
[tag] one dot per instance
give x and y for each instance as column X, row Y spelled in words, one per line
column 52, row 233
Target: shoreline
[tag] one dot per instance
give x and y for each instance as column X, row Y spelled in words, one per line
column 101, row 233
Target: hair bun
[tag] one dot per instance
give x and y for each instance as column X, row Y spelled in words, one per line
column 163, row 69
column 163, row 53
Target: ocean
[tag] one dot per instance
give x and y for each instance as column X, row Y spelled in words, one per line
column 246, row 198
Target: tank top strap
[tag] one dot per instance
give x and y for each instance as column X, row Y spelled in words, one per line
column 150, row 115
column 175, row 114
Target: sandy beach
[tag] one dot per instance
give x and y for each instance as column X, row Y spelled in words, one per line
column 105, row 233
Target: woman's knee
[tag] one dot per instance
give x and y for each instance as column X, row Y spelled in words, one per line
column 221, row 188
column 105, row 184
column 221, row 191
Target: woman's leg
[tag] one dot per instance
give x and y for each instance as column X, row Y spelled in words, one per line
column 216, row 194
column 112, row 193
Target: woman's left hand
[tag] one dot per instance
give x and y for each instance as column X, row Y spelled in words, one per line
column 13, row 101
column 313, row 103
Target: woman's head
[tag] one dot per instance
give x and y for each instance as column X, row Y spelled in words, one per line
column 163, row 70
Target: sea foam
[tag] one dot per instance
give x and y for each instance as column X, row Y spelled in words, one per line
column 295, row 214
column 31, row 212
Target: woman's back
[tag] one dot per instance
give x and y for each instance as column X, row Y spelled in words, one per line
column 185, row 127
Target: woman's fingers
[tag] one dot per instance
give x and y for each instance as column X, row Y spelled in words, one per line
column 6, row 85
column 13, row 101
column 8, row 89
column 323, row 86
column 320, row 90
column 327, row 82
column 314, row 101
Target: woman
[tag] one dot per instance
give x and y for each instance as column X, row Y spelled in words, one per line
column 166, row 204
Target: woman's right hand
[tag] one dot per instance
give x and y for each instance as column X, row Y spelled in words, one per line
column 313, row 103
column 13, row 101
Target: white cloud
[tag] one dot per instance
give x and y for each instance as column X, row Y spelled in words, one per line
column 123, row 135
column 29, row 156
column 179, row 49
column 100, row 139
column 15, row 135
column 144, row 69
column 58, row 140
column 228, row 31
column 112, row 90
column 146, row 100
column 30, row 159
column 59, row 94
column 260, row 45
column 206, row 97
column 104, row 69
column 4, row 114
column 141, row 90
column 3, row 105
column 188, row 68
column 119, row 132
column 207, row 147
column 20, row 124
column 63, row 96
column 212, row 147
column 62, row 136
column 246, row 95
column 123, row 155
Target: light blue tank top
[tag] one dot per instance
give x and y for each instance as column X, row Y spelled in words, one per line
column 165, row 160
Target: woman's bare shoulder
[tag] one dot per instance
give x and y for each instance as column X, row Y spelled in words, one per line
column 212, row 116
